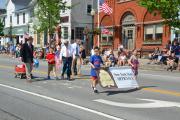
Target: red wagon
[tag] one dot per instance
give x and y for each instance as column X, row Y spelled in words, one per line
column 20, row 71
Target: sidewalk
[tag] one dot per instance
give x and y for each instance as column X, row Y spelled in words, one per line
column 143, row 64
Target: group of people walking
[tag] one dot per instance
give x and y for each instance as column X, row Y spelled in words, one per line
column 66, row 56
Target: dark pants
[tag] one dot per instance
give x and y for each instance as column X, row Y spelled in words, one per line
column 67, row 62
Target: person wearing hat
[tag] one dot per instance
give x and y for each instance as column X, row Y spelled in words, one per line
column 66, row 58
column 26, row 55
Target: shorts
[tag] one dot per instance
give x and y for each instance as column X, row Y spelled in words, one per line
column 51, row 67
column 94, row 77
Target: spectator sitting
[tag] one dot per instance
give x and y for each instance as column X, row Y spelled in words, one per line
column 153, row 57
column 176, row 49
column 172, row 62
column 111, row 59
column 121, row 59
column 164, row 55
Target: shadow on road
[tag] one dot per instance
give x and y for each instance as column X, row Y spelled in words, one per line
column 113, row 92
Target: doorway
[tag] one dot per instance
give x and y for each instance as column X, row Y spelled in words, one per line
column 128, row 37
column 128, row 31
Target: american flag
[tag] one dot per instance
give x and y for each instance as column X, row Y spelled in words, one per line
column 106, row 31
column 104, row 7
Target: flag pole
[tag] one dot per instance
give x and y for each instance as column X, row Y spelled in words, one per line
column 98, row 23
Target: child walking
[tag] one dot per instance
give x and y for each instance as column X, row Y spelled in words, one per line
column 134, row 63
column 51, row 63
column 57, row 58
column 95, row 62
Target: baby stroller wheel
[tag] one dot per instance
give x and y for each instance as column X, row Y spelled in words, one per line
column 15, row 75
column 21, row 76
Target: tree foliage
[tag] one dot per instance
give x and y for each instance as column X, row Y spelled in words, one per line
column 1, row 28
column 169, row 9
column 48, row 14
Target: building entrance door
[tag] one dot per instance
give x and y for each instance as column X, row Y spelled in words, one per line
column 128, row 31
column 128, row 37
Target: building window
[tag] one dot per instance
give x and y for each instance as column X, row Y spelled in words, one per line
column 10, row 19
column 65, row 32
column 24, row 20
column 17, row 18
column 107, row 36
column 64, row 19
column 89, row 8
column 153, row 34
column 72, row 34
column 130, row 34
column 79, row 33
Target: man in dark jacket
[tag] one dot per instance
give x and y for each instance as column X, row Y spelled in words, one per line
column 26, row 54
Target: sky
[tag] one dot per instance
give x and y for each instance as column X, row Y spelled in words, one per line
column 2, row 3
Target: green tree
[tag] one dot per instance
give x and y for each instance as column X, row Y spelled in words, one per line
column 48, row 14
column 1, row 28
column 169, row 10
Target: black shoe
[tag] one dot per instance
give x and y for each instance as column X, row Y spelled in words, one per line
column 95, row 91
column 32, row 77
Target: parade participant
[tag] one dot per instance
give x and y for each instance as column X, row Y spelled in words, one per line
column 57, row 58
column 83, row 54
column 50, row 57
column 26, row 55
column 134, row 63
column 66, row 58
column 76, row 62
column 95, row 62
column 18, row 48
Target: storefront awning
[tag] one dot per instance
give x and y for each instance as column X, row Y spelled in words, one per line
column 20, row 30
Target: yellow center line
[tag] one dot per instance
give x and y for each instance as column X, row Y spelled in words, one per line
column 167, row 92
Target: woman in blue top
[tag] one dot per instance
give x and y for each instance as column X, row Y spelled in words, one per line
column 95, row 62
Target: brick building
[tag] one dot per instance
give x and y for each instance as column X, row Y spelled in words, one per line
column 133, row 26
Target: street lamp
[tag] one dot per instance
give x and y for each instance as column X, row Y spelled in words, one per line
column 11, row 32
column 92, row 14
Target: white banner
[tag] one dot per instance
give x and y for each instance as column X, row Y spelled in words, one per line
column 123, row 77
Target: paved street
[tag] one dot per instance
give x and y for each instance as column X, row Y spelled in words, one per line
column 157, row 99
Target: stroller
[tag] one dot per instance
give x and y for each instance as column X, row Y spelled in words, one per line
column 20, row 71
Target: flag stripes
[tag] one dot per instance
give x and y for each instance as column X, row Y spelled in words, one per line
column 103, row 7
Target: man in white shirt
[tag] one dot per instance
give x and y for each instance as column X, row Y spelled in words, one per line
column 92, row 51
column 76, row 62
column 66, row 58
